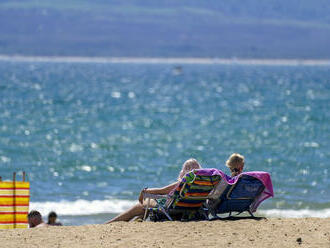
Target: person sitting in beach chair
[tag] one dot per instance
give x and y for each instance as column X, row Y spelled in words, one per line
column 186, row 203
column 138, row 210
column 236, row 164
column 242, row 192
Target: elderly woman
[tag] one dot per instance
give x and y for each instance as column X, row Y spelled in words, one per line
column 138, row 209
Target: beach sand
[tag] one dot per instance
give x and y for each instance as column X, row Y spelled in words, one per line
column 272, row 232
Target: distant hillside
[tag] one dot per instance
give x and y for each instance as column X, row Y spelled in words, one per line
column 150, row 28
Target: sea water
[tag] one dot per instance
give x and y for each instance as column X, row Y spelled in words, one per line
column 91, row 135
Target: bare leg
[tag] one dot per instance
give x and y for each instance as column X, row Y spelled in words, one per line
column 136, row 210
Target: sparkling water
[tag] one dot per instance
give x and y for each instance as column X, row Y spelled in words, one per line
column 91, row 135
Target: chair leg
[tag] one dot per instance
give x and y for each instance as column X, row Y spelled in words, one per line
column 251, row 213
column 146, row 210
column 205, row 214
column 215, row 217
column 164, row 211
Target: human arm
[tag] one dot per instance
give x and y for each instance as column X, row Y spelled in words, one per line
column 158, row 191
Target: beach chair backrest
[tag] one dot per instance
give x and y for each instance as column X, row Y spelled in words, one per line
column 194, row 190
column 238, row 197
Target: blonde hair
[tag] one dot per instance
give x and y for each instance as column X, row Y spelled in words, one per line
column 188, row 166
column 235, row 162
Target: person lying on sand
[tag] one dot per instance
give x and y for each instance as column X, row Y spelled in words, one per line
column 35, row 219
column 138, row 209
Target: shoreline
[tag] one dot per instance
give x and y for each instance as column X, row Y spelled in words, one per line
column 271, row 232
column 168, row 60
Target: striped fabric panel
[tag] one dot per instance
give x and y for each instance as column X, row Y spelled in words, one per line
column 205, row 183
column 196, row 194
column 18, row 208
column 9, row 217
column 197, row 186
column 10, row 192
column 11, row 225
column 189, row 205
column 14, row 204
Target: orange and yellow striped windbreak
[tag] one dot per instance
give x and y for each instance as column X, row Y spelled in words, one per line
column 14, row 204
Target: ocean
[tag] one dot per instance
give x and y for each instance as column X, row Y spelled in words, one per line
column 91, row 134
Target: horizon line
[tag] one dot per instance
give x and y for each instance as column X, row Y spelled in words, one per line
column 166, row 60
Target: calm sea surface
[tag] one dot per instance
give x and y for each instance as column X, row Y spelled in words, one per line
column 91, row 135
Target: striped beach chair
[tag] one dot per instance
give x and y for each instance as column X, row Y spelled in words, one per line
column 14, row 203
column 186, row 203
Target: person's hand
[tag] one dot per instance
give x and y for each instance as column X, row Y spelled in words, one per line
column 141, row 195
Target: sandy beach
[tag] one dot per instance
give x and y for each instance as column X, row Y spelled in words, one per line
column 272, row 232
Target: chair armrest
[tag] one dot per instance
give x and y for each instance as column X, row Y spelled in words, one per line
column 153, row 196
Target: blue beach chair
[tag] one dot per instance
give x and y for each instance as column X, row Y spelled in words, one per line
column 242, row 193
